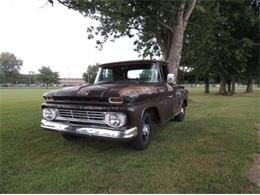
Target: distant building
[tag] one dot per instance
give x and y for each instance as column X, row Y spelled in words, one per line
column 70, row 81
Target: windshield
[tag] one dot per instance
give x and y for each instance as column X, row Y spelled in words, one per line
column 131, row 72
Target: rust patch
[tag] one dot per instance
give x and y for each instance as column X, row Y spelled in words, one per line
column 135, row 91
column 254, row 171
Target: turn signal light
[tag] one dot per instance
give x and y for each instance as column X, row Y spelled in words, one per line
column 115, row 100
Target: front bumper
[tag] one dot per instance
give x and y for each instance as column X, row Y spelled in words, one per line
column 89, row 130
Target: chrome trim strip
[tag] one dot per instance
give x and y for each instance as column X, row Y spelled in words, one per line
column 79, row 120
column 89, row 130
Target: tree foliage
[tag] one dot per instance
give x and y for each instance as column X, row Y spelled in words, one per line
column 251, row 73
column 158, row 26
column 90, row 75
column 9, row 67
column 221, row 41
column 47, row 76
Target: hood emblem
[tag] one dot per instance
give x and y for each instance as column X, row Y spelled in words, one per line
column 87, row 92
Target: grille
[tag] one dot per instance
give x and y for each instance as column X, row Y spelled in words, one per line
column 81, row 116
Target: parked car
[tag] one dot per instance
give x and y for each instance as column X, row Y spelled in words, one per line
column 22, row 85
column 122, row 104
column 7, row 85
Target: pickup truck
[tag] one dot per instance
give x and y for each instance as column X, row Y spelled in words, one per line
column 126, row 98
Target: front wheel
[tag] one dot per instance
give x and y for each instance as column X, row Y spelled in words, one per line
column 142, row 140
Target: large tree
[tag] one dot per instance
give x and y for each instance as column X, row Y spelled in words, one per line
column 91, row 74
column 9, row 67
column 157, row 25
column 47, row 76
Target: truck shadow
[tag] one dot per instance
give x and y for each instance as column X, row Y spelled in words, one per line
column 170, row 132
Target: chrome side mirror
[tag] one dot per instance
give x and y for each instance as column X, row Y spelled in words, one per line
column 171, row 79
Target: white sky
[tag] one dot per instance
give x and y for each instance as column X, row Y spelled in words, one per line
column 54, row 36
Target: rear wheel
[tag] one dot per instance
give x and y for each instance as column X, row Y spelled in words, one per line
column 143, row 138
column 181, row 116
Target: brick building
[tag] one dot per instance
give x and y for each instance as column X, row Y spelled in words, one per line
column 71, row 81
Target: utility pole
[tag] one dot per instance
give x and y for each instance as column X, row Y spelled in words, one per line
column 31, row 73
column 30, row 77
column 35, row 79
column 68, row 79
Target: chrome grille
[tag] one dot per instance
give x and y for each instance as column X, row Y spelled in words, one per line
column 81, row 116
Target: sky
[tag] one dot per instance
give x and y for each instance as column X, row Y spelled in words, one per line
column 45, row 35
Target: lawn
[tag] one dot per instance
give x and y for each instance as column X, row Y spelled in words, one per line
column 210, row 152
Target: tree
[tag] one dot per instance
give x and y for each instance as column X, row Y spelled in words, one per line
column 9, row 67
column 236, row 22
column 200, row 43
column 218, row 42
column 47, row 76
column 91, row 74
column 157, row 25
column 252, row 69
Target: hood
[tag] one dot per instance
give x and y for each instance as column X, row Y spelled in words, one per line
column 132, row 90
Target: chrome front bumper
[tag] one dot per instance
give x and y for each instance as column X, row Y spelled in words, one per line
column 89, row 130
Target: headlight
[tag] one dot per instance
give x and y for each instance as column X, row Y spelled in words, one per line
column 115, row 119
column 49, row 114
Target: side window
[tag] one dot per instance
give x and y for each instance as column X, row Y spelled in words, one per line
column 164, row 72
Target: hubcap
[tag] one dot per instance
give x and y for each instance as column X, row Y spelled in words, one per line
column 146, row 132
column 182, row 110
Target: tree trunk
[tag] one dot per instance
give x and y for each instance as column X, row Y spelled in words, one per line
column 222, row 87
column 206, row 91
column 233, row 86
column 249, row 87
column 174, row 58
column 229, row 87
column 172, row 49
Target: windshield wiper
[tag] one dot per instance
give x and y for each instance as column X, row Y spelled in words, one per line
column 104, row 82
column 128, row 80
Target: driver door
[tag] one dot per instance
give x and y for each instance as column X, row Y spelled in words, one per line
column 170, row 99
column 170, row 92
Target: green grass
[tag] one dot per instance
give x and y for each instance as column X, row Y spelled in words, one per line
column 208, row 153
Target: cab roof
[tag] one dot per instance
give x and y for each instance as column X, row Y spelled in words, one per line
column 134, row 62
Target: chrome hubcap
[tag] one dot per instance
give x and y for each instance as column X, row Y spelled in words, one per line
column 146, row 130
column 182, row 110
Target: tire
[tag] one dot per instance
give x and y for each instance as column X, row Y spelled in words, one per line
column 69, row 137
column 143, row 138
column 180, row 117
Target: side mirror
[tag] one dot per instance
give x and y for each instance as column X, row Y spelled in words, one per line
column 171, row 79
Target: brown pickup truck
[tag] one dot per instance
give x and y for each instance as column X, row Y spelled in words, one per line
column 122, row 104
